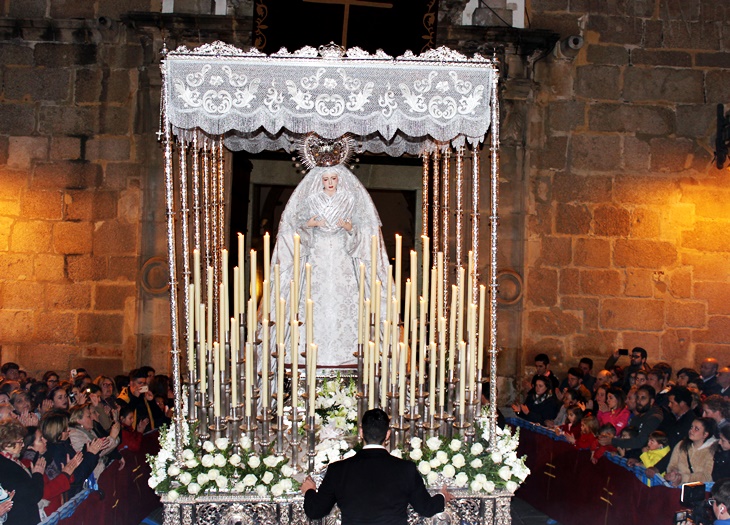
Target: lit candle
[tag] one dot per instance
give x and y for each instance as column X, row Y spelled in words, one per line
column 426, row 264
column 234, row 363
column 267, row 256
column 202, row 357
column 216, row 381
column 402, row 379
column 442, row 361
column 462, row 375
column 422, row 341
column 265, row 364
column 312, row 376
column 295, row 294
column 432, row 378
column 480, row 346
column 398, row 263
column 196, row 282
column 361, row 305
column 249, row 379
column 191, row 333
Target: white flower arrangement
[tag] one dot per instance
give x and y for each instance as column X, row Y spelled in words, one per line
column 475, row 467
column 219, row 468
column 336, row 408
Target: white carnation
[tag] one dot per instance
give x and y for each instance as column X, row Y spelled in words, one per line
column 455, row 445
column 193, row 488
column 416, row 454
column 208, row 446
column 207, row 461
column 153, row 482
column 476, row 486
column 219, row 460
column 249, row 480
column 221, row 443
column 286, row 484
column 239, row 487
column 424, row 467
column 254, row 461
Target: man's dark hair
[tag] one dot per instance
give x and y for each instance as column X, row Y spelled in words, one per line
column 721, row 491
column 718, row 403
column 542, row 358
column 691, row 373
column 657, row 372
column 125, row 411
column 666, row 368
column 9, row 366
column 137, row 373
column 375, row 425
column 146, row 370
column 588, row 361
column 639, row 350
column 575, row 395
column 648, row 389
column 576, row 372
column 681, row 394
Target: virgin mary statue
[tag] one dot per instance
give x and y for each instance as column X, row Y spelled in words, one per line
column 335, row 217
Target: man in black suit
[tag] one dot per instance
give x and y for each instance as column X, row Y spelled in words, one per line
column 372, row 486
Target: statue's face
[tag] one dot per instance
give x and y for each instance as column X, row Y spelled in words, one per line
column 329, row 182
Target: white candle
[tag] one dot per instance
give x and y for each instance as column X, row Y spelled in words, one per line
column 462, row 375
column 361, row 305
column 294, row 339
column 432, row 309
column 265, row 298
column 281, row 355
column 308, row 280
column 280, row 329
column 236, row 293
column 210, row 306
column 384, row 368
column 365, row 369
column 388, row 294
column 265, row 364
column 398, row 263
column 202, row 351
column 442, row 362
column 452, row 328
column 414, row 286
column 472, row 348
column 295, row 294
column 432, row 378
column 426, row 264
column 440, row 287
column 413, row 365
column 253, row 285
column 462, row 310
column 277, row 291
column 394, row 338
column 196, row 282
column 422, row 341
column 191, row 332
column 242, row 270
column 407, row 312
column 402, row 379
column 310, row 322
column 222, row 326
column 225, row 313
column 267, row 256
column 249, row 379
column 371, row 390
column 366, row 322
column 470, row 278
column 312, row 376
column 216, row 381
column 480, row 346
column 234, row 363
column 376, row 324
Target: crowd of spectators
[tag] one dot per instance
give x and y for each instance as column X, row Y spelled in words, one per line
column 58, row 435
column 677, row 427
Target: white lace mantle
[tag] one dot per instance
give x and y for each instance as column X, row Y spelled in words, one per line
column 390, row 105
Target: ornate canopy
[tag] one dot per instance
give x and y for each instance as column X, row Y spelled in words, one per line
column 391, row 105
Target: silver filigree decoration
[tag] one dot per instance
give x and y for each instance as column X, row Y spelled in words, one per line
column 331, row 51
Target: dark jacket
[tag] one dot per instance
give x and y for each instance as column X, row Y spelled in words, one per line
column 56, row 458
column 644, row 424
column 721, row 467
column 675, row 428
column 540, row 409
column 372, row 487
column 28, row 492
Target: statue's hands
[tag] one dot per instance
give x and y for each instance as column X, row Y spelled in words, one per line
column 315, row 223
column 345, row 224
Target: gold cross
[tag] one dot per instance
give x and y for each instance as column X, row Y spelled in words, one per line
column 347, row 4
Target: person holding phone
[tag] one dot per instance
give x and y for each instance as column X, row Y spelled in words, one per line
column 138, row 396
column 638, row 362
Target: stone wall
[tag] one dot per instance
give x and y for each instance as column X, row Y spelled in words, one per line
column 627, row 221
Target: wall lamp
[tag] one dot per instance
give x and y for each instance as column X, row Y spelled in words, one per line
column 722, row 140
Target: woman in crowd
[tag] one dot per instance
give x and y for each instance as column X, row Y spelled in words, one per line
column 721, row 466
column 541, row 404
column 81, row 434
column 109, row 391
column 599, row 401
column 692, row 458
column 27, row 484
column 59, row 398
column 617, row 413
column 103, row 416
column 54, row 427
column 53, row 489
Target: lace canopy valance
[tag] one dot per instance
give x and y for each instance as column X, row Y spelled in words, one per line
column 266, row 102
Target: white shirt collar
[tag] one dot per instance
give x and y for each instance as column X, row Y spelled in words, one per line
column 366, row 447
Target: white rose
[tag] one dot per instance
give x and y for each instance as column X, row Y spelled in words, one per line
column 207, row 461
column 254, row 462
column 286, row 471
column 221, row 443
column 261, row 491
column 449, row 471
column 476, row 463
column 396, row 453
column 458, row 460
column 511, row 486
column 193, row 488
column 461, row 479
column 424, row 467
column 235, row 460
column 432, row 478
column 416, row 442
column 245, row 442
column 271, row 461
column 191, row 463
column 455, row 445
column 505, row 473
column 220, row 460
column 433, row 443
column 442, row 456
column 173, row 495
column 185, row 478
column 277, row 491
column 435, row 463
column 202, row 479
column 153, row 482
column 249, row 480
column 267, row 477
column 239, row 487
column 173, row 470
column 476, row 486
column 496, row 457
column 222, row 482
column 489, row 486
column 213, row 474
column 286, row 484
column 208, row 446
column 188, row 454
column 416, row 454
column 477, row 448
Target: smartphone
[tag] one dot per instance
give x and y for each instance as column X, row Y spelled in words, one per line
column 623, row 351
column 74, row 373
column 143, row 389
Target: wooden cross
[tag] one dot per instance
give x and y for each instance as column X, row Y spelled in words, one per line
column 347, row 4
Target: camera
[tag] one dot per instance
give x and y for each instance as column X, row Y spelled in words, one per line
column 72, row 397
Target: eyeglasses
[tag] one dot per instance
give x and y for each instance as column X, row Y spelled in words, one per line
column 106, row 384
column 635, row 356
